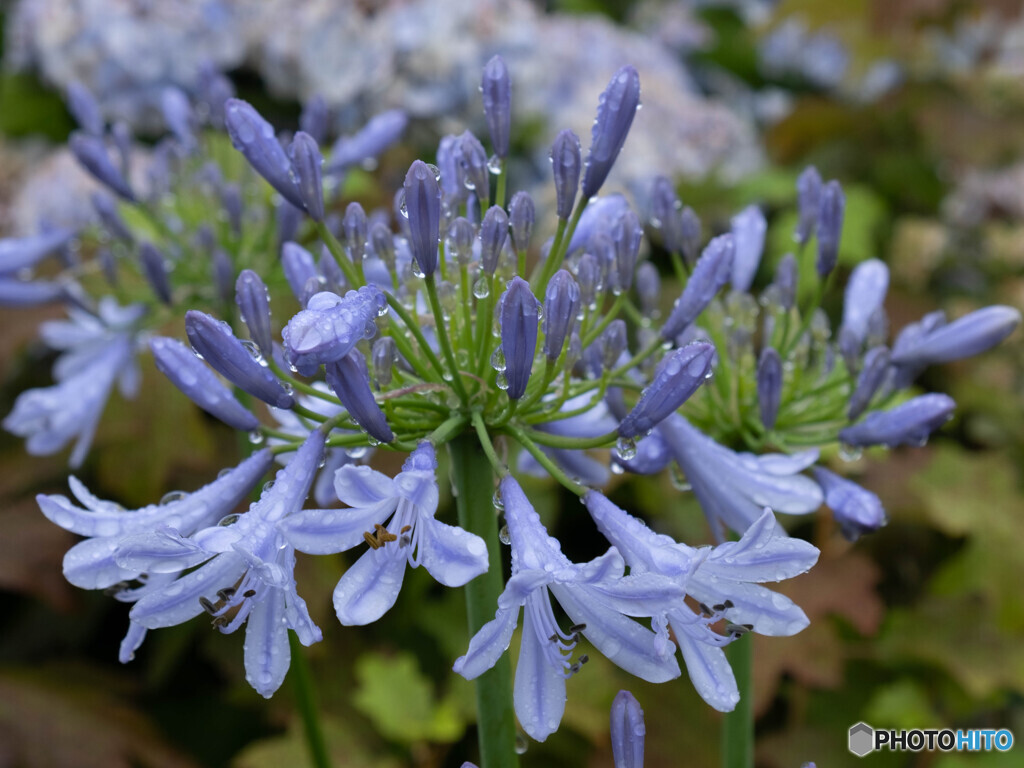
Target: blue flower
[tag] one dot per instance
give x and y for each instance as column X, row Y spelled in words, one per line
column 627, row 731
column 856, row 509
column 734, row 488
column 911, row 423
column 379, row 133
column 726, row 577
column 413, row 537
column 242, row 572
column 597, row 597
column 748, row 231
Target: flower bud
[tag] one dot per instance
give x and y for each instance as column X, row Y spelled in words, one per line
column 307, row 164
column 330, row 326
column 872, row 374
column 566, row 162
column 253, row 301
column 214, row 91
column 223, row 273
column 711, row 273
column 626, row 236
column 91, row 152
column 785, row 280
column 155, row 270
column 177, row 114
column 856, row 509
column 676, row 378
column 254, row 138
column 748, row 231
column 187, row 372
column 521, row 216
column 496, row 89
column 473, row 158
column 354, row 228
column 214, row 340
column 690, row 228
column 864, row 295
column 17, row 253
column 808, row 196
column 85, row 109
column 350, row 381
column 383, row 242
column 379, row 133
column 830, row 226
column 460, row 241
column 231, row 199
column 613, row 343
column 332, row 278
column 769, row 386
column 314, row 118
column 299, row 266
column 615, row 112
column 911, row 423
column 288, row 219
column 666, row 214
column 493, row 234
column 423, row 204
column 519, row 321
column 969, row 335
column 561, row 305
column 648, row 288
column 628, row 731
column 588, row 275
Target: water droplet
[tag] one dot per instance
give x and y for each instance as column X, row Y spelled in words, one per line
column 171, row 496
column 482, row 287
column 435, row 170
column 501, row 381
column 678, row 478
column 256, row 437
column 850, row 452
column 521, row 744
column 616, row 468
column 224, row 472
column 626, row 448
column 498, row 360
column 268, row 485
column 228, row 520
column 503, row 535
column 357, row 452
column 497, row 501
column 494, row 165
column 253, row 350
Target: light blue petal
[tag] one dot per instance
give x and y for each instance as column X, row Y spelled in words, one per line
column 90, row 564
column 605, row 567
column 132, row 641
column 420, row 488
column 539, row 692
column 161, row 551
column 451, row 555
column 359, row 486
column 326, row 531
column 487, row 645
column 179, row 601
column 521, row 584
column 706, row 665
column 622, row 640
column 368, row 589
column 762, row 554
column 296, row 611
column 770, row 613
column 267, row 655
column 645, row 594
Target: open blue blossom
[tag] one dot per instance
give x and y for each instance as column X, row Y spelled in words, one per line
column 597, row 597
column 369, row 588
column 241, row 573
column 726, row 577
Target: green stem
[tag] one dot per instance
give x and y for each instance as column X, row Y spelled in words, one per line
column 442, row 337
column 305, row 697
column 738, row 725
column 495, row 716
column 499, row 194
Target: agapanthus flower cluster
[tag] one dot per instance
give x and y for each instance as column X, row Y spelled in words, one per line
column 435, row 323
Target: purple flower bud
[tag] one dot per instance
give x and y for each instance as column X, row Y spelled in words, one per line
column 155, row 270
column 450, row 164
column 350, row 381
column 91, row 152
column 223, row 274
column 17, row 253
column 865, row 293
column 383, row 242
column 473, row 158
column 306, row 164
column 330, row 326
column 85, row 109
column 314, row 118
column 177, row 113
column 496, row 89
column 493, row 234
column 712, row 272
column 648, row 288
column 676, row 378
column 588, row 275
column 521, row 216
column 29, row 293
column 969, row 335
column 808, row 196
column 519, row 320
column 460, row 241
column 214, row 340
column 231, row 199
column 613, row 343
column 769, row 386
column 566, row 162
column 628, row 731
column 423, row 205
column 666, row 214
column 856, row 509
column 615, row 112
column 214, row 91
column 690, row 228
column 561, row 305
column 626, row 236
column 299, row 266
column 909, row 423
column 187, row 372
column 254, row 138
column 603, row 248
column 872, row 374
column 597, row 218
column 288, row 219
column 379, row 133
column 384, row 355
column 786, row 279
column 332, row 277
column 354, row 228
column 830, row 226
column 253, row 301
column 748, row 231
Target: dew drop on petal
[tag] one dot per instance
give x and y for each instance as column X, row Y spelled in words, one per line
column 503, row 535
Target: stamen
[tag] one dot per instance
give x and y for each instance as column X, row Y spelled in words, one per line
column 226, row 594
column 249, row 593
column 728, row 604
column 405, row 529
column 371, row 540
column 383, row 534
column 208, row 606
column 704, row 609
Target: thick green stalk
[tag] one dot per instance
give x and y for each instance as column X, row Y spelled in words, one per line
column 305, row 697
column 495, row 716
column 738, row 726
